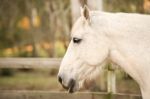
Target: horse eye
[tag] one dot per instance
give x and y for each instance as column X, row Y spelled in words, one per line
column 76, row 40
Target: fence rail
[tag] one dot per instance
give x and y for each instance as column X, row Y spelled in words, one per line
column 63, row 95
column 51, row 63
column 30, row 62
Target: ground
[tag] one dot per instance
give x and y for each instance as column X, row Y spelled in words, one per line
column 43, row 79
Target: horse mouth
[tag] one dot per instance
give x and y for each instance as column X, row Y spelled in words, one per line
column 71, row 86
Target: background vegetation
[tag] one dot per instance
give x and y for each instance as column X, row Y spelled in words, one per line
column 41, row 28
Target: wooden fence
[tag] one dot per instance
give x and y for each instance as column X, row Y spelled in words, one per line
column 54, row 63
column 29, row 62
column 63, row 95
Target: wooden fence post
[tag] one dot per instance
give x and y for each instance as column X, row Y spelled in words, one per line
column 111, row 79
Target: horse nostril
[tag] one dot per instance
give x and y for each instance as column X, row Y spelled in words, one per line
column 60, row 79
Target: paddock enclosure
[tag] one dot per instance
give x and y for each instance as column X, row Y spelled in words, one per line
column 50, row 63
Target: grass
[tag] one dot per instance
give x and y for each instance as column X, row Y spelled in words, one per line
column 43, row 79
column 35, row 80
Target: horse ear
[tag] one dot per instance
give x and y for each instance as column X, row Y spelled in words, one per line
column 85, row 12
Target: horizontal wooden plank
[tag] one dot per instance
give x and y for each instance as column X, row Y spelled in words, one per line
column 29, row 62
column 63, row 95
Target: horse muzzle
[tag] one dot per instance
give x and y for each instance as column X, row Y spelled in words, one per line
column 70, row 86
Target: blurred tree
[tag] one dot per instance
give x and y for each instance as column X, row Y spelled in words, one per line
column 75, row 8
column 92, row 4
column 30, row 22
column 95, row 4
column 146, row 6
column 36, row 22
column 123, row 5
column 58, row 22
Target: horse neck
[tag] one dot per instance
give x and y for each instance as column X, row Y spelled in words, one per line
column 130, row 51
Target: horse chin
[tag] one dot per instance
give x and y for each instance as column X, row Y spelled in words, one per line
column 88, row 84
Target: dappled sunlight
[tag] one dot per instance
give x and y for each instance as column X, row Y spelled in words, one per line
column 24, row 23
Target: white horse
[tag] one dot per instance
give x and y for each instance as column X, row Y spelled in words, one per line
column 100, row 37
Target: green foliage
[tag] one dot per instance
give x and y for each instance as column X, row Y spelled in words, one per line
column 6, row 72
column 124, row 5
column 54, row 18
column 35, row 80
